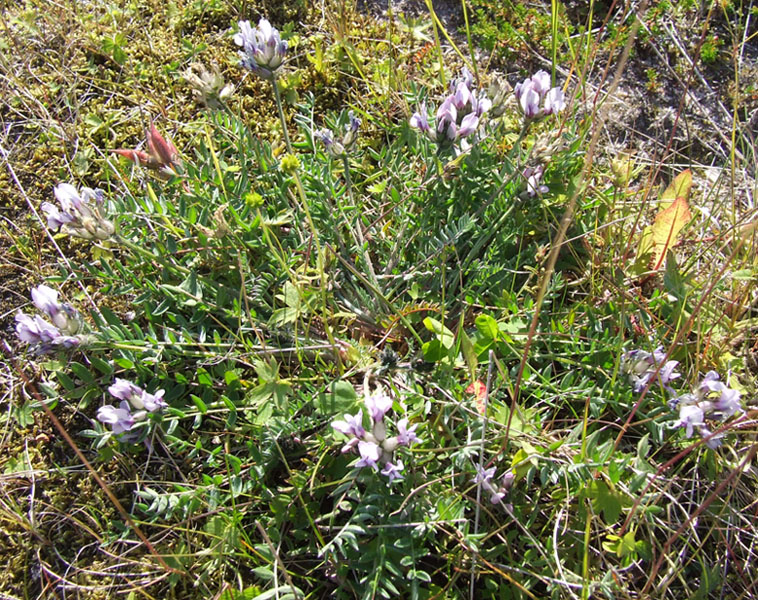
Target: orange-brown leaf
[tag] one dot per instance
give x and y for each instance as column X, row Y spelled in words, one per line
column 679, row 188
column 665, row 231
column 480, row 391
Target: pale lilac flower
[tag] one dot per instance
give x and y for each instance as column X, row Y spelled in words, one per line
column 420, row 121
column 712, row 399
column 447, row 116
column 483, row 475
column 55, row 218
column 326, row 137
column 537, row 99
column 484, row 478
column 36, row 331
column 370, row 453
column 458, row 117
column 466, row 79
column 529, row 101
column 79, row 216
column 393, row 471
column 120, row 419
column 352, row 425
column 690, row 417
column 338, row 147
column 641, row 366
column 354, row 122
column 483, row 105
column 352, row 443
column 468, row 125
column 46, row 299
column 263, row 51
column 136, row 396
column 71, row 201
column 497, row 496
column 152, row 402
column 540, row 82
column 63, row 316
column 123, row 389
column 710, row 383
column 374, row 447
column 667, row 372
column 406, row 435
column 554, row 101
column 533, row 176
column 713, row 442
column 728, row 403
column 378, row 404
column 461, row 96
column 351, row 130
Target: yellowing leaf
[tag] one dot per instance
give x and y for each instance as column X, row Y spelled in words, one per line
column 679, row 188
column 665, row 231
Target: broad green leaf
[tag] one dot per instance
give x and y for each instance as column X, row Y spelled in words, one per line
column 81, row 372
column 444, row 335
column 201, row 406
column 673, row 279
column 104, row 367
column 487, row 327
column 469, row 354
column 339, row 398
column 606, row 500
column 433, row 351
column 627, row 545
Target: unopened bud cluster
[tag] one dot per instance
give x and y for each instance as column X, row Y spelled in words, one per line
column 486, row 479
column 339, row 146
column 208, row 87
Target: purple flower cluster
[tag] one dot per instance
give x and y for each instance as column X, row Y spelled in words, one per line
column 712, row 399
column 263, row 50
column 485, row 478
column 61, row 333
column 641, row 366
column 537, row 99
column 78, row 215
column 458, row 116
column 122, row 419
column 339, row 147
column 374, row 447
